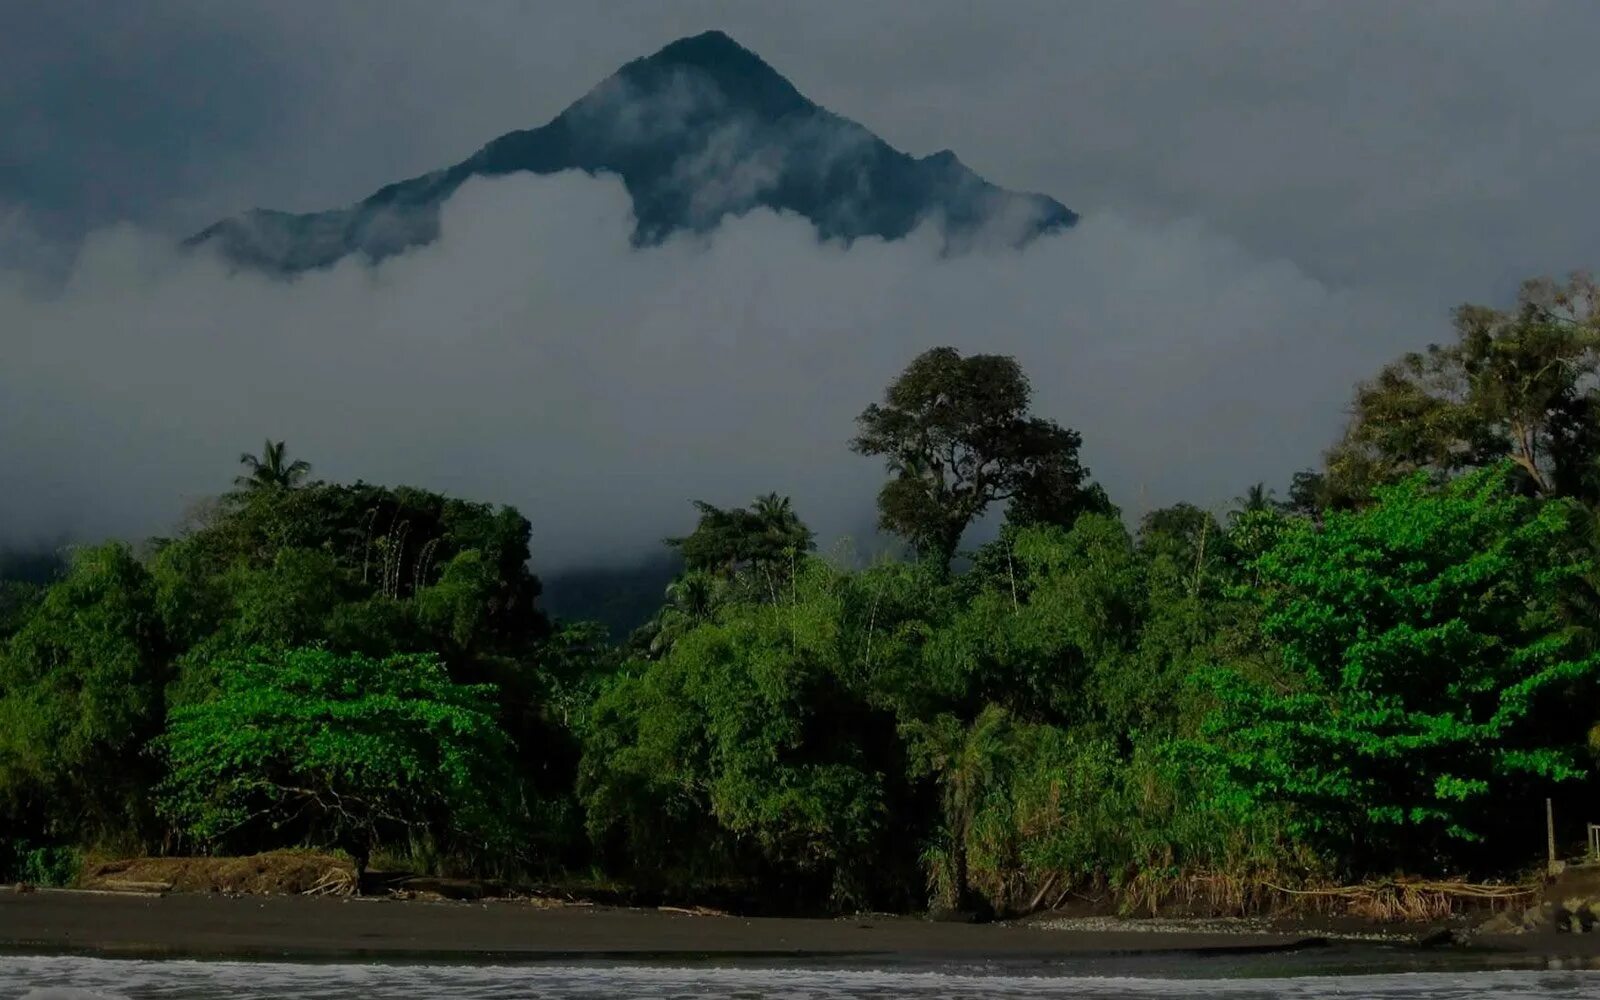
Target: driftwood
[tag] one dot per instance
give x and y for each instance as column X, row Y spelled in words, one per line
column 287, row 872
column 1408, row 900
column 697, row 911
column 1038, row 897
column 126, row 885
column 335, row 882
column 1471, row 890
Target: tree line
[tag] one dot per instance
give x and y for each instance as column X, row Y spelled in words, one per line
column 1390, row 669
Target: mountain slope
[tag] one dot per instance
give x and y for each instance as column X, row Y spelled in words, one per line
column 700, row 130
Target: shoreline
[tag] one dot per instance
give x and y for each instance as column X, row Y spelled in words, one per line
column 320, row 929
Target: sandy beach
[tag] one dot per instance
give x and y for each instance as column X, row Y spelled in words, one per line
column 221, row 926
column 265, row 926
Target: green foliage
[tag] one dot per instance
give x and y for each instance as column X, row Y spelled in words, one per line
column 762, row 539
column 1059, row 617
column 732, row 555
column 386, row 541
column 691, row 598
column 52, row 866
column 338, row 750
column 285, row 603
column 575, row 664
column 55, row 866
column 1017, row 718
column 968, row 763
column 460, row 605
column 80, row 694
column 1384, row 670
column 1517, row 385
column 957, row 436
column 17, row 601
column 1426, row 679
column 1028, row 802
column 753, row 737
column 121, row 649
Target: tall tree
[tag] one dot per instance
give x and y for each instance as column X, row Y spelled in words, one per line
column 957, row 436
column 1518, row 384
column 1308, row 494
column 271, row 469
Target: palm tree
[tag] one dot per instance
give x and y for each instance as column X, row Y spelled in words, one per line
column 781, row 528
column 1256, row 498
column 271, row 469
column 691, row 599
column 966, row 761
column 775, row 517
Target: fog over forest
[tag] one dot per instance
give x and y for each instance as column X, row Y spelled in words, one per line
column 532, row 357
column 1248, row 249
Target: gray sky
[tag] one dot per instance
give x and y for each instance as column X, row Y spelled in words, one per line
column 1277, row 197
column 1450, row 142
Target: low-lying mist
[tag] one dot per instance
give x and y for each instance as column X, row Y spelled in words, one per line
column 531, row 356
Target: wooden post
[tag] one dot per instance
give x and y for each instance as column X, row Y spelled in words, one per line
column 1550, row 832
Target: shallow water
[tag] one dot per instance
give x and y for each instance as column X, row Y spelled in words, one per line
column 39, row 978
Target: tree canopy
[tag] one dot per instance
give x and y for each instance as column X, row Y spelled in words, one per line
column 957, row 436
column 1517, row 385
column 1386, row 671
column 341, row 749
column 1429, row 680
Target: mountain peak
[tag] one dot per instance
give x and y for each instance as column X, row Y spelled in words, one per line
column 708, row 47
column 714, row 57
column 700, row 130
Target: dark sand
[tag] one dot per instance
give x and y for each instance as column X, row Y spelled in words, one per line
column 265, row 927
column 278, row 926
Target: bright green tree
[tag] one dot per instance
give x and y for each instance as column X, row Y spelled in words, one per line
column 1427, row 680
column 339, row 750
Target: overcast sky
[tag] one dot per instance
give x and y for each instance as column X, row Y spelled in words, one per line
column 1318, row 181
column 1452, row 143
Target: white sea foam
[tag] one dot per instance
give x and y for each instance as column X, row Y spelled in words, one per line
column 38, row 978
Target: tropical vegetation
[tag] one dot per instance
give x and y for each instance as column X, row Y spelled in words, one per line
column 1390, row 669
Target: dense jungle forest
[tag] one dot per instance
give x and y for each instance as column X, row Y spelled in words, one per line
column 1389, row 668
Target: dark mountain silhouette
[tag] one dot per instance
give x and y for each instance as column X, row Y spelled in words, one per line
column 700, row 130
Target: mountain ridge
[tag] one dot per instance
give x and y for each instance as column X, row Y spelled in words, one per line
column 702, row 129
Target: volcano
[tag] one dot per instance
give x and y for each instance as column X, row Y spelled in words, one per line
column 702, row 130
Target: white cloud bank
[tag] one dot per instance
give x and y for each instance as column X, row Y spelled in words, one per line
column 532, row 357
